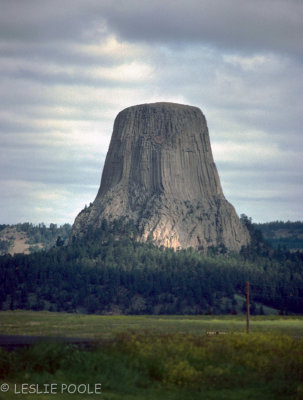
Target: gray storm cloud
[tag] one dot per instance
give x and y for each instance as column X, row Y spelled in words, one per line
column 67, row 68
column 274, row 25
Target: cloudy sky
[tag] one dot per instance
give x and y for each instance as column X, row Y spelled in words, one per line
column 68, row 67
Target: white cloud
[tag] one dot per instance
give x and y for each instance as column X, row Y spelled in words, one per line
column 248, row 63
column 112, row 48
column 248, row 153
column 129, row 73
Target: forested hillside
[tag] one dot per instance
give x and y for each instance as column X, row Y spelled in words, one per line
column 110, row 272
column 28, row 238
column 283, row 234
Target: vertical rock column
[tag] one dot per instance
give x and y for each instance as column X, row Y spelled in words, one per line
column 159, row 171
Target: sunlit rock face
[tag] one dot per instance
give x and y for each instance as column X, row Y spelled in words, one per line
column 159, row 171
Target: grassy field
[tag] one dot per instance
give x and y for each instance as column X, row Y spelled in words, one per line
column 99, row 326
column 157, row 357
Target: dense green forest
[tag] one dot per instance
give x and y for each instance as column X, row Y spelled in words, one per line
column 103, row 274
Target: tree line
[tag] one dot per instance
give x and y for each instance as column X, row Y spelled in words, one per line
column 109, row 271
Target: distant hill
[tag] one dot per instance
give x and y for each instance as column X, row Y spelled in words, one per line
column 288, row 235
column 28, row 238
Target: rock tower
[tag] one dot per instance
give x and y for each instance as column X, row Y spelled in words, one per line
column 159, row 171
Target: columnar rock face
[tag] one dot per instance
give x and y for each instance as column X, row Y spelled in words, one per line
column 159, row 172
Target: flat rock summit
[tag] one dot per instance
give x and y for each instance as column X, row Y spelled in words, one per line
column 159, row 172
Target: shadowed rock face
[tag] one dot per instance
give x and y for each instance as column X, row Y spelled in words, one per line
column 159, row 171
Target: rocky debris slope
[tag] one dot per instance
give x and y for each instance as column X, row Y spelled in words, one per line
column 159, row 172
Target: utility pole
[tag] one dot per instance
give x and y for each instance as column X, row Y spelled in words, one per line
column 247, row 307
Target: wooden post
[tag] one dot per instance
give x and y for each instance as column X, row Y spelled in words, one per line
column 247, row 307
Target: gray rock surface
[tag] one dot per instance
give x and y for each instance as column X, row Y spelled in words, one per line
column 159, row 171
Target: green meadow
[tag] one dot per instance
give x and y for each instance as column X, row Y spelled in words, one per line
column 45, row 323
column 157, row 357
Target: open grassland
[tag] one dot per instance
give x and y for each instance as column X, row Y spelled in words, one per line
column 153, row 357
column 99, row 326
